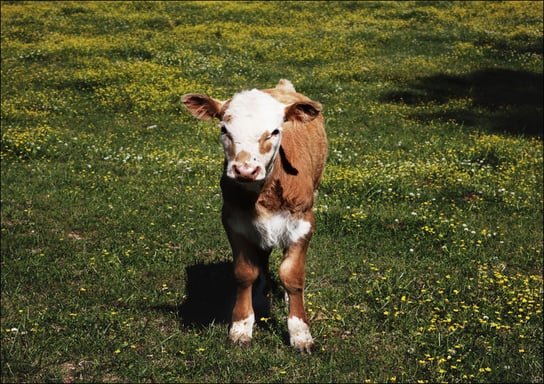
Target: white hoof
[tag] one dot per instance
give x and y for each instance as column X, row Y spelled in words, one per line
column 241, row 331
column 299, row 334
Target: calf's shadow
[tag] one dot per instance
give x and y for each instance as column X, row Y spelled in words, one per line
column 211, row 292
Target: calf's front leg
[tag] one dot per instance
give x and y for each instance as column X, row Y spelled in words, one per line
column 292, row 277
column 247, row 258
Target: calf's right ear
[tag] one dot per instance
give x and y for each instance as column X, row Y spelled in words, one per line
column 202, row 106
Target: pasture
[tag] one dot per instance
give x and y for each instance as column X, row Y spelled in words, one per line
column 426, row 265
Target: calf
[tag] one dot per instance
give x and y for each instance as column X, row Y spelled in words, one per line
column 275, row 151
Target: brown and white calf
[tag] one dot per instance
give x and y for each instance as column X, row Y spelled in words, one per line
column 275, row 151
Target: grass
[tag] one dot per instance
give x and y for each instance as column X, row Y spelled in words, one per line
column 427, row 262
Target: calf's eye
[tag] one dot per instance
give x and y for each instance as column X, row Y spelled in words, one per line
column 275, row 132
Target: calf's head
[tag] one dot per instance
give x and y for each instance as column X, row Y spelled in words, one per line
column 251, row 124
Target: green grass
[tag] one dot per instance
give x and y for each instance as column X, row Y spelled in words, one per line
column 427, row 261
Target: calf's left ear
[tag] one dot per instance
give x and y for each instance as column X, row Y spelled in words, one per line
column 303, row 112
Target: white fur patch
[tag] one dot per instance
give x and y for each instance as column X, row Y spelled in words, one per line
column 281, row 229
column 299, row 334
column 277, row 230
column 242, row 330
column 249, row 107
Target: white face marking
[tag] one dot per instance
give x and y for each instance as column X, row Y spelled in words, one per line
column 277, row 230
column 299, row 334
column 251, row 134
column 241, row 331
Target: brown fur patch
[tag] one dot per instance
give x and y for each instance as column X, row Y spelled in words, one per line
column 242, row 156
column 265, row 145
column 229, row 147
column 285, row 96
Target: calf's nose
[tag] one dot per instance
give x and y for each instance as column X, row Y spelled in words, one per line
column 245, row 171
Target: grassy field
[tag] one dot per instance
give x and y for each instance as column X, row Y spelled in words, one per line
column 427, row 261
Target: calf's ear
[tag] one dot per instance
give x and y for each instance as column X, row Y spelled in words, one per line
column 202, row 106
column 303, row 112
